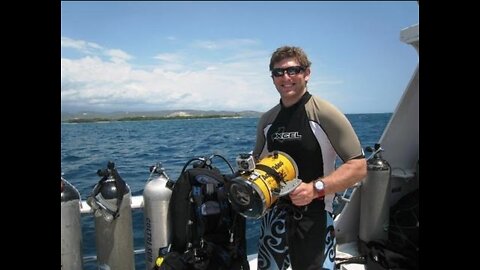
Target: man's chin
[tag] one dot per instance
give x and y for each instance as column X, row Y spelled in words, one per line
column 288, row 93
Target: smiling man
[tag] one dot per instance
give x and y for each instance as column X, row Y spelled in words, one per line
column 298, row 230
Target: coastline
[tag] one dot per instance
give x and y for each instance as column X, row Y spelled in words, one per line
column 148, row 118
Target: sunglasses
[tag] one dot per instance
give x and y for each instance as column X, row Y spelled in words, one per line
column 278, row 72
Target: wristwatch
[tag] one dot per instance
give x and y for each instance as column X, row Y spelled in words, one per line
column 319, row 187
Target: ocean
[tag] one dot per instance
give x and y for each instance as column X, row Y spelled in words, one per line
column 135, row 146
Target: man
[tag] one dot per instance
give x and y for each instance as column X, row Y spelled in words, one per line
column 298, row 230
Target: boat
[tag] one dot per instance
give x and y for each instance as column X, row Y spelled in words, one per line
column 399, row 145
column 400, row 140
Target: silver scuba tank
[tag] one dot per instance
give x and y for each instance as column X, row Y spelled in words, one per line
column 71, row 230
column 156, row 197
column 111, row 204
column 374, row 198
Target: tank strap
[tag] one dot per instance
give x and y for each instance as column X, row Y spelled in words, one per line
column 120, row 185
column 270, row 171
column 198, row 222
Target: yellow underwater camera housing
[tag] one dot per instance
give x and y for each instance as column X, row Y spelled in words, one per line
column 259, row 185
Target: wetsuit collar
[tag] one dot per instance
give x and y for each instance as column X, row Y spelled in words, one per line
column 301, row 101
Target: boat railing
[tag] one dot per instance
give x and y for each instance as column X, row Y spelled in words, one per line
column 136, row 203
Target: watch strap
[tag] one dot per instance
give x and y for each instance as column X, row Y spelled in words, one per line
column 321, row 192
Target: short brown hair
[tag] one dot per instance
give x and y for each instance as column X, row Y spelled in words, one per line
column 289, row 52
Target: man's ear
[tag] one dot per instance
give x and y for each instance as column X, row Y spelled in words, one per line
column 307, row 74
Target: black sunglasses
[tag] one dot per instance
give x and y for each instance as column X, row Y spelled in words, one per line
column 278, row 72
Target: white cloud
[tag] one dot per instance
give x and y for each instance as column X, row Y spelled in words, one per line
column 111, row 84
column 169, row 57
column 80, row 45
column 118, row 56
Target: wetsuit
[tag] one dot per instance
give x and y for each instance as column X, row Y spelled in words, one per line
column 313, row 132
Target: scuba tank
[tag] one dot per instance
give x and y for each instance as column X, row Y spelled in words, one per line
column 375, row 194
column 110, row 202
column 156, row 197
column 71, row 230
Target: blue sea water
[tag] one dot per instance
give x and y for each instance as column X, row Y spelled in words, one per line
column 135, row 146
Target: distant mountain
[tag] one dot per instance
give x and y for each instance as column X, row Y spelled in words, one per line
column 91, row 115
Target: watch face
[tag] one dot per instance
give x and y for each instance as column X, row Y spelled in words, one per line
column 319, row 185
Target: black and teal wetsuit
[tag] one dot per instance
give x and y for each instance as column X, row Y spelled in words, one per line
column 313, row 132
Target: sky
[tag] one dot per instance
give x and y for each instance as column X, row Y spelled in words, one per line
column 214, row 55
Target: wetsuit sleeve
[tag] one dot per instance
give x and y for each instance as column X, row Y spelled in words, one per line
column 337, row 127
column 260, row 140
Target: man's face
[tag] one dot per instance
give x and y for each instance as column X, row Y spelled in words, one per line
column 290, row 79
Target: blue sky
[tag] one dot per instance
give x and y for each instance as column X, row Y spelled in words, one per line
column 147, row 56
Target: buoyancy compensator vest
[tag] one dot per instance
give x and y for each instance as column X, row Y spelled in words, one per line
column 206, row 233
